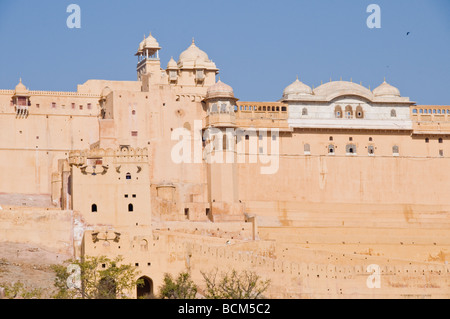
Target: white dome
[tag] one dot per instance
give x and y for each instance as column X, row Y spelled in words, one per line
column 172, row 64
column 220, row 89
column 193, row 53
column 297, row 88
column 151, row 43
column 385, row 89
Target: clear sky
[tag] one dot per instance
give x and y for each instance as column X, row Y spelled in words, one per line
column 259, row 46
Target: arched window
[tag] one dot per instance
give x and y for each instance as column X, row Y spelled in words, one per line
column 415, row 111
column 94, row 208
column 338, row 112
column 214, row 108
column 350, row 149
column 348, row 112
column 393, row 113
column 331, row 149
column 371, row 150
column 427, row 140
column 441, row 140
column 128, row 176
column 130, row 208
column 305, row 111
column 359, row 112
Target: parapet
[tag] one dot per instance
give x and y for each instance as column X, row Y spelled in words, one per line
column 124, row 154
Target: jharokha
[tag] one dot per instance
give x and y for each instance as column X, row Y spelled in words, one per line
column 361, row 179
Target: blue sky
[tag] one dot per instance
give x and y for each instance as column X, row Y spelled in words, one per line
column 259, row 46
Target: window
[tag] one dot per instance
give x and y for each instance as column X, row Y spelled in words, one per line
column 350, row 149
column 307, row 149
column 393, row 113
column 305, row 111
column 331, row 149
column 338, row 112
column 133, row 112
column 371, row 150
column 415, row 111
column 73, row 106
column 441, row 153
column 359, row 112
column 370, row 139
column 38, row 106
column 214, row 108
column 395, row 150
column 186, row 212
column 331, row 138
column 94, row 208
column 134, row 133
column 134, row 196
column 427, row 140
column 441, row 140
column 128, row 176
column 89, row 106
column 420, row 111
column 348, row 112
column 130, row 208
column 81, row 107
column 53, row 105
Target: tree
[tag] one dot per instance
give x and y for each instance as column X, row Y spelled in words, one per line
column 234, row 285
column 100, row 278
column 182, row 288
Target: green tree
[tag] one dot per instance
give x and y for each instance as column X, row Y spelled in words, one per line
column 100, row 278
column 234, row 285
column 18, row 290
column 182, row 288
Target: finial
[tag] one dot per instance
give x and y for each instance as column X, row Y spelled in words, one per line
column 341, row 78
column 369, row 87
column 219, row 79
column 20, row 80
column 351, row 80
column 193, row 40
column 297, row 77
column 330, row 78
column 384, row 79
column 321, row 82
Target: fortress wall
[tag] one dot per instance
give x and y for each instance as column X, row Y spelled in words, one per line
column 349, row 179
column 49, row 229
column 327, row 280
column 325, row 275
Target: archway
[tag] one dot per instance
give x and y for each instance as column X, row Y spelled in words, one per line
column 145, row 290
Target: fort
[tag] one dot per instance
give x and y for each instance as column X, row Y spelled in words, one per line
column 362, row 179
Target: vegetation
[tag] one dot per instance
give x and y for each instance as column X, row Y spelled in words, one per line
column 232, row 285
column 182, row 288
column 97, row 278
column 19, row 291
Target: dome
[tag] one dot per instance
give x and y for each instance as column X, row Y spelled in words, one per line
column 297, row 88
column 172, row 64
column 106, row 91
column 142, row 45
column 220, row 89
column 20, row 88
column 151, row 43
column 193, row 53
column 385, row 89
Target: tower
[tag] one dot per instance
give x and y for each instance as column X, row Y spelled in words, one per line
column 148, row 58
column 222, row 174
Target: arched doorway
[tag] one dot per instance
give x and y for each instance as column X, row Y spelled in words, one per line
column 145, row 291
